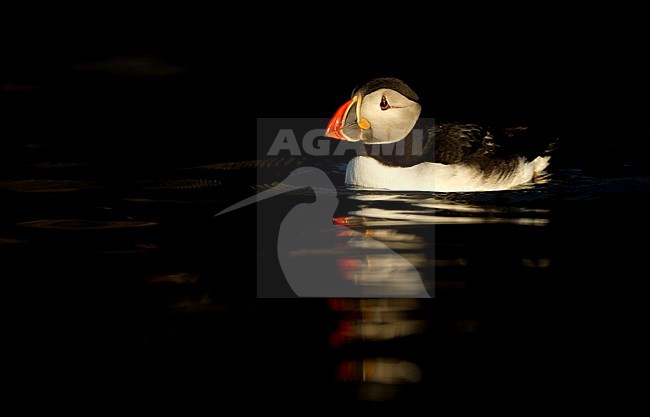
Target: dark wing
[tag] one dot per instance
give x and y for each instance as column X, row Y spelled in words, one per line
column 457, row 142
column 489, row 149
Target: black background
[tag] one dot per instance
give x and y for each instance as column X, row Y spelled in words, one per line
column 580, row 75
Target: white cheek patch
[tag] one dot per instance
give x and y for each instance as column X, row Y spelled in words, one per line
column 394, row 123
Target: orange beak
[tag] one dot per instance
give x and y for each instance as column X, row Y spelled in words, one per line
column 335, row 126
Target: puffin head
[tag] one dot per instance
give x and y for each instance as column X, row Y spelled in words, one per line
column 382, row 111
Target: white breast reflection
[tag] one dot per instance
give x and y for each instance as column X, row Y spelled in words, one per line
column 371, row 266
column 415, row 209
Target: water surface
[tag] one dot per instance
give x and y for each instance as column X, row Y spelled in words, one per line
column 127, row 256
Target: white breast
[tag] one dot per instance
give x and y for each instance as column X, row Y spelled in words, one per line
column 365, row 171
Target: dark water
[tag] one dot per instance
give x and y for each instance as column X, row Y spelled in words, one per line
column 122, row 266
column 115, row 157
column 528, row 282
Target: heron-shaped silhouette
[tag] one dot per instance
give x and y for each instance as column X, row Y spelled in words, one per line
column 323, row 259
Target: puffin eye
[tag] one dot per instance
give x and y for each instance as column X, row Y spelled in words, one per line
column 383, row 104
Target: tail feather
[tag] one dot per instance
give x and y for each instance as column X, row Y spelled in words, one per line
column 540, row 163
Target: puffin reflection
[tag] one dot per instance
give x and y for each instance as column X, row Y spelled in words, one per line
column 322, row 259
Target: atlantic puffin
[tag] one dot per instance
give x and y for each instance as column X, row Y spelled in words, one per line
column 419, row 156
